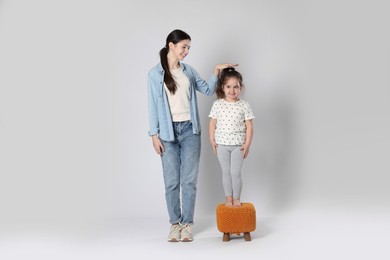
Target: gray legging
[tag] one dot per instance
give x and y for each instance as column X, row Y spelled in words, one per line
column 231, row 160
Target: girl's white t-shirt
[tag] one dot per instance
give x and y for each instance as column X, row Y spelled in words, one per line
column 231, row 116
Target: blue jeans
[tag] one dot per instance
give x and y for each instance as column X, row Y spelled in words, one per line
column 180, row 163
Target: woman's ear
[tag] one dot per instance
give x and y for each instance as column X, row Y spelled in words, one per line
column 171, row 45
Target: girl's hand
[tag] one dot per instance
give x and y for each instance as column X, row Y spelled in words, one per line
column 214, row 146
column 158, row 147
column 220, row 67
column 245, row 150
column 212, row 127
column 248, row 138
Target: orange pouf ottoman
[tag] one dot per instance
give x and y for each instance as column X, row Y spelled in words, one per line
column 236, row 220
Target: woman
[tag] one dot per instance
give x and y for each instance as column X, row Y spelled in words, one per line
column 175, row 128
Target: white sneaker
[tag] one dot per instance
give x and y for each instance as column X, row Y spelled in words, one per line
column 174, row 234
column 186, row 233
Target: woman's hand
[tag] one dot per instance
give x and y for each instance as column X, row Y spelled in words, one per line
column 158, row 147
column 220, row 67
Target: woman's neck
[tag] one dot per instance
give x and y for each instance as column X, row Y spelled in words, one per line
column 173, row 63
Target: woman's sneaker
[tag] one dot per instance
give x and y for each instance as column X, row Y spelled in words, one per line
column 186, row 233
column 174, row 234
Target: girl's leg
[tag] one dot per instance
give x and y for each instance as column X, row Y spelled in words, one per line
column 237, row 161
column 229, row 201
column 236, row 202
column 223, row 154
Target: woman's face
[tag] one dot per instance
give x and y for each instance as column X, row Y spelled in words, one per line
column 232, row 89
column 181, row 49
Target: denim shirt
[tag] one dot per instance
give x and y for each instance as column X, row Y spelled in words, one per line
column 160, row 119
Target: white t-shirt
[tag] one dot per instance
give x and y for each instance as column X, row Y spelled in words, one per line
column 179, row 102
column 231, row 116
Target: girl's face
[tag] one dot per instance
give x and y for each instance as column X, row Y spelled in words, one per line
column 232, row 89
column 181, row 49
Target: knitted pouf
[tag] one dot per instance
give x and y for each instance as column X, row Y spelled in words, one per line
column 236, row 220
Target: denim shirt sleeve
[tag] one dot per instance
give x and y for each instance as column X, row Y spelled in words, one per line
column 205, row 87
column 152, row 105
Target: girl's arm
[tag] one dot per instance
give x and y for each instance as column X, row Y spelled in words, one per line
column 248, row 138
column 212, row 126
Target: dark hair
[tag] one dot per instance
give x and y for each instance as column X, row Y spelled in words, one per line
column 224, row 75
column 175, row 36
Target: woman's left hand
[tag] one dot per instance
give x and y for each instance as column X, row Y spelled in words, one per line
column 222, row 66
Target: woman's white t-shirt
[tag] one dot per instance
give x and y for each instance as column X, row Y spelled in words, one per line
column 179, row 102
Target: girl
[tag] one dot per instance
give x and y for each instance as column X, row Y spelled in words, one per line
column 175, row 129
column 231, row 132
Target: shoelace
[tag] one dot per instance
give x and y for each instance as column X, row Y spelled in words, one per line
column 175, row 227
column 186, row 227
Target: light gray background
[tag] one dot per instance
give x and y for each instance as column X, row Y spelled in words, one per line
column 74, row 151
